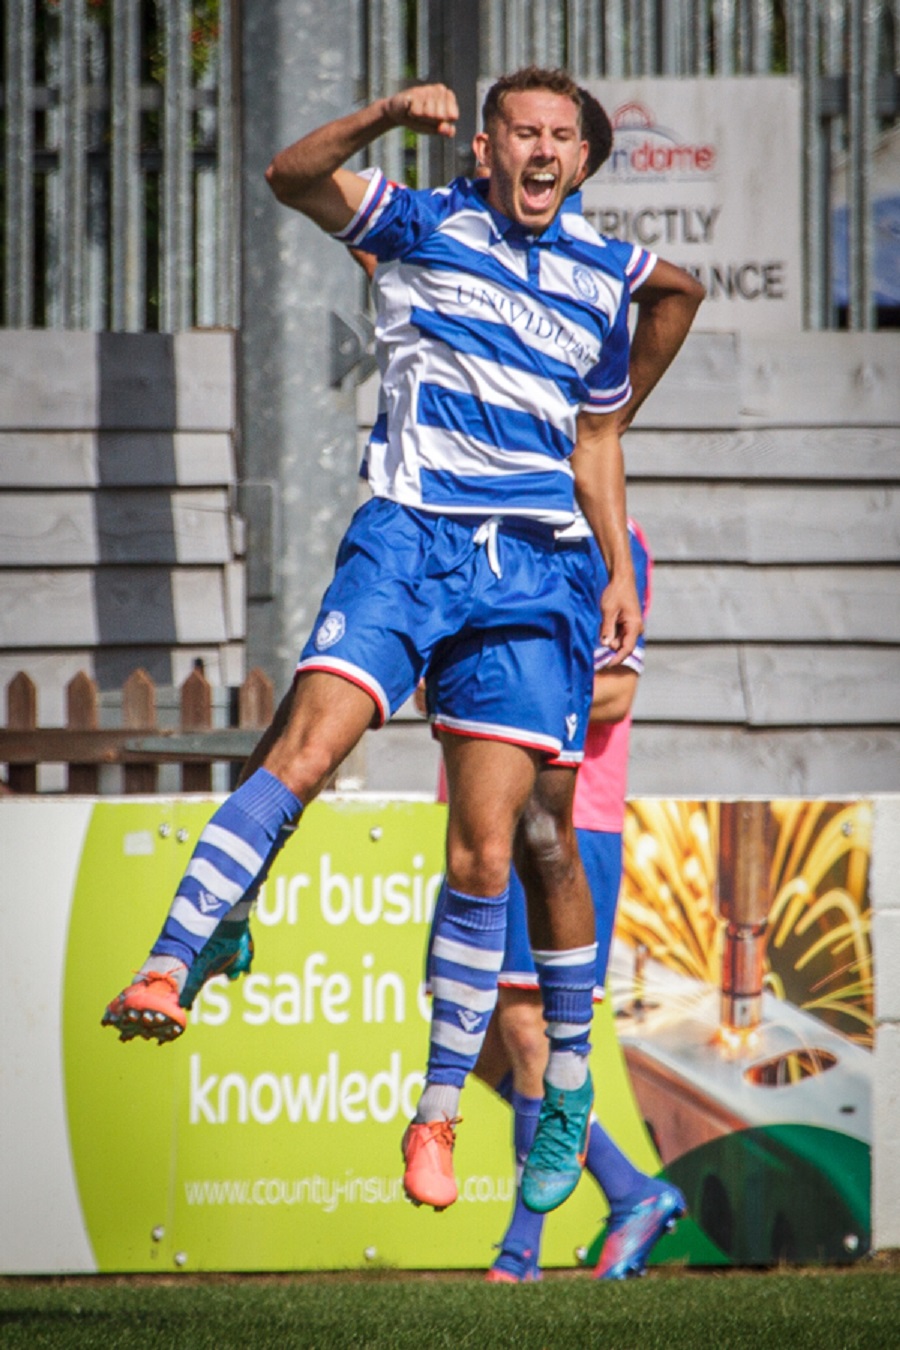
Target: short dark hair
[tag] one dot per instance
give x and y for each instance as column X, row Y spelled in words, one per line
column 520, row 81
column 597, row 130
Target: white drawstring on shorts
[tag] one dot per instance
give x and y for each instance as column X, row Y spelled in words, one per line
column 487, row 534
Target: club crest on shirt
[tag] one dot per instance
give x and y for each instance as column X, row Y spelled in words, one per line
column 586, row 284
column 331, row 630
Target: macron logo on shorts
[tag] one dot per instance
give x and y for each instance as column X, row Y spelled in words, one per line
column 331, row 630
column 571, row 725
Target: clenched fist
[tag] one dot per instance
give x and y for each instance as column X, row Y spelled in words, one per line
column 430, row 109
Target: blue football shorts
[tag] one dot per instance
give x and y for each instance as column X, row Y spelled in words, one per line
column 601, row 854
column 487, row 607
column 587, row 578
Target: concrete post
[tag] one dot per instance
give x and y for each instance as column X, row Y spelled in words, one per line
column 298, row 449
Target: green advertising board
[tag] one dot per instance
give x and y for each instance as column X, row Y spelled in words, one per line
column 268, row 1137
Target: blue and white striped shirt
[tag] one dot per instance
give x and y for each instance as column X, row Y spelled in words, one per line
column 490, row 341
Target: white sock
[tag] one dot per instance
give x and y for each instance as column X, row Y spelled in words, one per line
column 439, row 1101
column 566, row 1070
column 166, row 965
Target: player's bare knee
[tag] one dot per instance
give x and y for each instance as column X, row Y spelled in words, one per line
column 480, row 866
column 526, row 1039
column 305, row 767
column 542, row 841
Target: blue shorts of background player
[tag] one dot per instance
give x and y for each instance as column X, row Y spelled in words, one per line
column 601, row 854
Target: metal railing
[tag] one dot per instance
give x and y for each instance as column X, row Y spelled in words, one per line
column 120, row 184
column 120, row 121
column 845, row 52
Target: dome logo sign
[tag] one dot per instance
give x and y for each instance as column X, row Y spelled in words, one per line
column 708, row 174
column 643, row 150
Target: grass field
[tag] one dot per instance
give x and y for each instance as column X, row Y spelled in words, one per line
column 779, row 1310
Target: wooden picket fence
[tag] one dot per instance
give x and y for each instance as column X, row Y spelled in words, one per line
column 139, row 744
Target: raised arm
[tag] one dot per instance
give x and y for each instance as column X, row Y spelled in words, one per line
column 667, row 303
column 309, row 175
column 599, row 470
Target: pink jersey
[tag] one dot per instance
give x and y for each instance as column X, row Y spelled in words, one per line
column 603, row 774
column 602, row 778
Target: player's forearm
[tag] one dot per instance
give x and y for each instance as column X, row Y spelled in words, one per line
column 300, row 170
column 309, row 175
column 661, row 329
column 599, row 468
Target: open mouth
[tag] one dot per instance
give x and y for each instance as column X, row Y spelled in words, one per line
column 538, row 189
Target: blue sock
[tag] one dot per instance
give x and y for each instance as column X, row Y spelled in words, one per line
column 504, row 1088
column 567, row 984
column 229, row 864
column 615, row 1174
column 523, row 1236
column 465, row 959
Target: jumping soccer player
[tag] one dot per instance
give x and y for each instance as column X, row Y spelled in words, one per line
column 667, row 300
column 504, row 352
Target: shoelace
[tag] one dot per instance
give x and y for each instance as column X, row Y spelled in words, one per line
column 444, row 1131
column 148, row 976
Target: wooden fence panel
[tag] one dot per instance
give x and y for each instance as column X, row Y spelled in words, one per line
column 85, row 460
column 118, row 532
column 774, row 604
column 770, row 454
column 702, row 761
column 809, row 685
column 21, row 715
column 139, row 714
column 196, row 715
column 763, row 524
column 139, row 743
column 82, row 715
column 67, row 529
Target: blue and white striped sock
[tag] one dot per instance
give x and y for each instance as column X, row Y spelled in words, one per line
column 567, row 983
column 466, row 955
column 228, row 865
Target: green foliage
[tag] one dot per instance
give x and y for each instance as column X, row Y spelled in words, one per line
column 204, row 32
column 204, row 35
